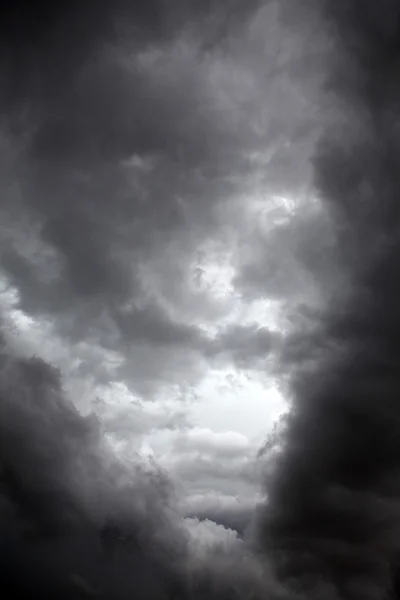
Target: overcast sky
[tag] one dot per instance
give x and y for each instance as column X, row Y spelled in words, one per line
column 199, row 329
column 157, row 225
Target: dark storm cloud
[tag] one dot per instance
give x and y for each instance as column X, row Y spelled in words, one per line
column 122, row 142
column 143, row 141
column 117, row 143
column 44, row 46
column 332, row 520
column 95, row 224
column 59, row 485
column 108, row 178
column 75, row 520
column 128, row 131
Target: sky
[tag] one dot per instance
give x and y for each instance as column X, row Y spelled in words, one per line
column 150, row 232
column 198, row 314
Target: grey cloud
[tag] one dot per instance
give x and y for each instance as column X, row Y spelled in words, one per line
column 219, row 474
column 297, row 259
column 203, row 472
column 130, row 422
column 128, row 164
column 228, row 444
column 60, row 485
column 245, row 345
column 132, row 132
column 230, row 512
column 52, row 462
column 150, row 324
column 332, row 516
column 100, row 220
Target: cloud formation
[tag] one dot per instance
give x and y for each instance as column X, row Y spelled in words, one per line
column 130, row 136
column 187, row 188
column 333, row 509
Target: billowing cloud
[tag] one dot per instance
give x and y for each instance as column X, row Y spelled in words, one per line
column 130, row 136
column 66, row 500
column 195, row 200
column 332, row 518
column 123, row 180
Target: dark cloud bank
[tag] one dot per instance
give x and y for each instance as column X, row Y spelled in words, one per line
column 74, row 520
